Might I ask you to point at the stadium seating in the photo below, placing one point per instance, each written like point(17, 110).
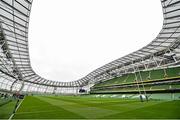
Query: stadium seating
point(153, 80)
point(145, 75)
point(136, 89)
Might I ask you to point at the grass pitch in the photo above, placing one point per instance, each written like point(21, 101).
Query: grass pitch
point(74, 107)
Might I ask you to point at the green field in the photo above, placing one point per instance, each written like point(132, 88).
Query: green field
point(80, 107)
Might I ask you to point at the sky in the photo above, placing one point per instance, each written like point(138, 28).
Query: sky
point(70, 38)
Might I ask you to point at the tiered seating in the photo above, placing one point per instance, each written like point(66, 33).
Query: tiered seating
point(7, 106)
point(147, 80)
point(172, 72)
point(4, 101)
point(136, 89)
point(123, 79)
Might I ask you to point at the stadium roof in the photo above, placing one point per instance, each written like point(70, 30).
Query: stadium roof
point(15, 63)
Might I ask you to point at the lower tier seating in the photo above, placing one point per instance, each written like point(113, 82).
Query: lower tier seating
point(137, 88)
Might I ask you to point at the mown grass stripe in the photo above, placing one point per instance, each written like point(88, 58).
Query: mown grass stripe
point(53, 112)
point(84, 110)
point(71, 107)
point(119, 107)
point(162, 110)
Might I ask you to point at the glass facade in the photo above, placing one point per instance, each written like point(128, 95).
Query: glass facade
point(16, 73)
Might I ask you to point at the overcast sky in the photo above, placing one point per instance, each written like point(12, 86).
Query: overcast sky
point(70, 38)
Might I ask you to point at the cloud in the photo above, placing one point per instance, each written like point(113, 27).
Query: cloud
point(70, 38)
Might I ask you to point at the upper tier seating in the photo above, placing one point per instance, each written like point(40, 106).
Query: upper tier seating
point(159, 74)
point(152, 80)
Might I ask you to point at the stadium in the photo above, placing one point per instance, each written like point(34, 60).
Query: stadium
point(144, 84)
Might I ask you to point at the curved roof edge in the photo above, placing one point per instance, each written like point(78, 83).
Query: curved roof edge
point(164, 50)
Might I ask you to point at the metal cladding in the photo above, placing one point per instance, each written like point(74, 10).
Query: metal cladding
point(16, 72)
